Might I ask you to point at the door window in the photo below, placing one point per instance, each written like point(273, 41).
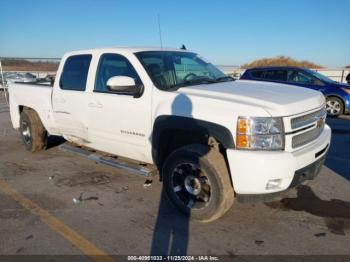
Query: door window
point(113, 65)
point(257, 74)
point(75, 72)
point(299, 77)
point(276, 75)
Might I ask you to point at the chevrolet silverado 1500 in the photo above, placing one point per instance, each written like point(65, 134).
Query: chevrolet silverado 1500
point(211, 138)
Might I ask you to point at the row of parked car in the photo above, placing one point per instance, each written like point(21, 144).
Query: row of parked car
point(337, 94)
point(14, 77)
point(19, 77)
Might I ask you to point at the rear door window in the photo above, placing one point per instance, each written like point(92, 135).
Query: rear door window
point(257, 74)
point(75, 72)
point(276, 75)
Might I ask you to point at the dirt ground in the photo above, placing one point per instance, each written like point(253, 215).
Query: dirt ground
point(118, 215)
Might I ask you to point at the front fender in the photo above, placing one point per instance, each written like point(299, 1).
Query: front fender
point(171, 122)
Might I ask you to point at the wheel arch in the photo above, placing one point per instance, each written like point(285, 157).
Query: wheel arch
point(22, 108)
point(171, 132)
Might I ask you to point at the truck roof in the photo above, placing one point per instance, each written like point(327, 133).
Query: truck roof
point(123, 49)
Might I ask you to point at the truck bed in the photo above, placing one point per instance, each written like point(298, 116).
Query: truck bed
point(42, 84)
point(32, 95)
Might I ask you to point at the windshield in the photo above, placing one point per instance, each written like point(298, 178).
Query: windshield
point(170, 70)
point(320, 76)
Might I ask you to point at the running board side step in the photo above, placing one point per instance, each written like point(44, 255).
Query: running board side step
point(110, 161)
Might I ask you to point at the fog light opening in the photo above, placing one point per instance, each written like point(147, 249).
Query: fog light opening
point(273, 184)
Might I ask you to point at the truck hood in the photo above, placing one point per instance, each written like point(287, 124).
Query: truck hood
point(276, 99)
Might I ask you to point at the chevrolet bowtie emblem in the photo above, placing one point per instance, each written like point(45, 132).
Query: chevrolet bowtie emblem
point(320, 123)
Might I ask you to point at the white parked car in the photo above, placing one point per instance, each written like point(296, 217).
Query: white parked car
point(20, 77)
point(212, 139)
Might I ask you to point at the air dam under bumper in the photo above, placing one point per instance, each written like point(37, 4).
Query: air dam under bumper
point(264, 172)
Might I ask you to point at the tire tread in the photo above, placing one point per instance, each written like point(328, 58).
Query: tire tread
point(38, 131)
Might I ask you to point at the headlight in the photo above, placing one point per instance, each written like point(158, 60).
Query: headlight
point(260, 133)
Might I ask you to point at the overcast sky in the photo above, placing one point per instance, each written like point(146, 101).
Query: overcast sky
point(225, 32)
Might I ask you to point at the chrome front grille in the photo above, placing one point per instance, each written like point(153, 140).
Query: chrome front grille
point(306, 137)
point(304, 128)
point(305, 120)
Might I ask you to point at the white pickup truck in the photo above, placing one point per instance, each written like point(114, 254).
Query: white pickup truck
point(211, 138)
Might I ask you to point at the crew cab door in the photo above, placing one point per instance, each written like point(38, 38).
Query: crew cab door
point(118, 123)
point(69, 99)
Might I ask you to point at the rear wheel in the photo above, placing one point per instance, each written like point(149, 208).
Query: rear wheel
point(32, 131)
point(197, 182)
point(334, 106)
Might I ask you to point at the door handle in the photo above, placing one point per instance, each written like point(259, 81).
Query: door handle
point(60, 100)
point(97, 105)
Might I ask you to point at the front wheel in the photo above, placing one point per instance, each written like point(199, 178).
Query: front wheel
point(197, 182)
point(334, 106)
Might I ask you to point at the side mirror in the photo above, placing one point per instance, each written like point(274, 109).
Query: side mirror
point(124, 85)
point(316, 82)
point(310, 81)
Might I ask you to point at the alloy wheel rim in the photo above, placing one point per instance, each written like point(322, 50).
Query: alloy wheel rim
point(333, 107)
point(26, 132)
point(191, 186)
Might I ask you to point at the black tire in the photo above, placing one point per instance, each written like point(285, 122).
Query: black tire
point(33, 133)
point(212, 175)
point(334, 106)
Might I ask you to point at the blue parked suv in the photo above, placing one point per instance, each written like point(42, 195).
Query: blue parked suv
point(337, 94)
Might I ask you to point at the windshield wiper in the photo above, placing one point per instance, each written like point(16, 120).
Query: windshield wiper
point(194, 81)
point(200, 80)
point(224, 78)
